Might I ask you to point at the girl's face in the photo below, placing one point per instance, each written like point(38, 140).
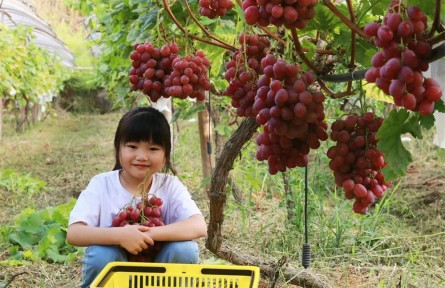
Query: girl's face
point(137, 157)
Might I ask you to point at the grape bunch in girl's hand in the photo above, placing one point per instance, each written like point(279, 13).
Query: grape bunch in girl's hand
point(147, 213)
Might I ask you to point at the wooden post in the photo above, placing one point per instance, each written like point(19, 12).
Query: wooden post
point(438, 74)
point(205, 130)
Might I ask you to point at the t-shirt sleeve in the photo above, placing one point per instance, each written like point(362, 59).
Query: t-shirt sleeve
point(87, 207)
point(181, 206)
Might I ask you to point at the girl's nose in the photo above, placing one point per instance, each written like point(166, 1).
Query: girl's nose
point(142, 155)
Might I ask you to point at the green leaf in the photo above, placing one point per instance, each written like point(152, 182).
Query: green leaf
point(29, 255)
point(54, 255)
point(439, 106)
point(397, 156)
point(149, 19)
point(14, 262)
point(24, 239)
point(31, 223)
point(223, 130)
point(324, 20)
point(427, 121)
point(372, 91)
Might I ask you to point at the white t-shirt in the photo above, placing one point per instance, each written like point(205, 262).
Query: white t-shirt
point(104, 196)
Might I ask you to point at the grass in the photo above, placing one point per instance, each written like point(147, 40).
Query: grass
point(399, 244)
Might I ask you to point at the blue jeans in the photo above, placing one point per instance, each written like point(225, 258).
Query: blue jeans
point(98, 256)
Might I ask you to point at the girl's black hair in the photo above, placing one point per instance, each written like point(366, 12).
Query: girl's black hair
point(143, 124)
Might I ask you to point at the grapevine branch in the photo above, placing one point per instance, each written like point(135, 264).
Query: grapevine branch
point(283, 42)
point(273, 35)
point(16, 274)
point(332, 93)
point(172, 16)
point(299, 277)
point(353, 45)
point(437, 39)
point(436, 21)
point(345, 20)
point(219, 180)
point(301, 52)
point(229, 47)
point(437, 53)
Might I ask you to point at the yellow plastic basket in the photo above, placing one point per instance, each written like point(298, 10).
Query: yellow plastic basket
point(162, 275)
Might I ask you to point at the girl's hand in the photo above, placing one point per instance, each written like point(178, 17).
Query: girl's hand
point(133, 239)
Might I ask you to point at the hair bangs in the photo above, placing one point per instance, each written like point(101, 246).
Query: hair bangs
point(143, 127)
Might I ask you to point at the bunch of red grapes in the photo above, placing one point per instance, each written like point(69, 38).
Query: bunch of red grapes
point(213, 8)
point(292, 115)
point(147, 213)
point(152, 68)
point(290, 13)
point(356, 161)
point(398, 66)
point(242, 72)
point(188, 77)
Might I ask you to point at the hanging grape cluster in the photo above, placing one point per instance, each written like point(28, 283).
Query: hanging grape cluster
point(290, 13)
point(213, 8)
point(398, 66)
point(242, 72)
point(291, 114)
point(147, 213)
point(356, 161)
point(161, 72)
point(188, 77)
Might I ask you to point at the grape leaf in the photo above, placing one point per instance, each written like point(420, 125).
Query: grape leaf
point(439, 106)
point(223, 130)
point(372, 91)
point(324, 20)
point(397, 156)
point(427, 121)
point(31, 223)
point(24, 239)
point(54, 255)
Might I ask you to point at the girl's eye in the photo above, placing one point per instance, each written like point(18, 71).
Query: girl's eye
point(131, 146)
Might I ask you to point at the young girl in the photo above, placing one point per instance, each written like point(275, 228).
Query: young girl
point(142, 143)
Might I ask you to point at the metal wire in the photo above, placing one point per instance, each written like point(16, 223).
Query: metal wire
point(306, 253)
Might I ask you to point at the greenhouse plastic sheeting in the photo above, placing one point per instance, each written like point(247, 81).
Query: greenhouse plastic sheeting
point(15, 12)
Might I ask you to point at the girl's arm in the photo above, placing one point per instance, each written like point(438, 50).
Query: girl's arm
point(191, 228)
point(130, 237)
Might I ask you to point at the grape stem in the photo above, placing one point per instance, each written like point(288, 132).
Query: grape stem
point(172, 16)
point(229, 47)
point(345, 20)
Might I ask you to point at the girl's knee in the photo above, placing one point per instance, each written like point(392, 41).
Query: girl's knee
point(104, 254)
point(96, 258)
point(179, 252)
